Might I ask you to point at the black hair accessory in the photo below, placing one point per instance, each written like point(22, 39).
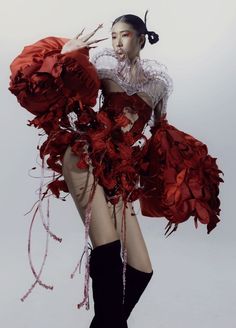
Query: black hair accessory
point(152, 36)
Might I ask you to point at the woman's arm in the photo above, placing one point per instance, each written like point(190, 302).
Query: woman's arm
point(55, 73)
point(158, 111)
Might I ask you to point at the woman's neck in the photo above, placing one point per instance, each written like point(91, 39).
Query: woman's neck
point(133, 60)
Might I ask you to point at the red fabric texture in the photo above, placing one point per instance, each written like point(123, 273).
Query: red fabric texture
point(117, 161)
point(182, 179)
point(50, 86)
point(44, 80)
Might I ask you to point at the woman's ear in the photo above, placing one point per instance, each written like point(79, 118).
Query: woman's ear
point(142, 40)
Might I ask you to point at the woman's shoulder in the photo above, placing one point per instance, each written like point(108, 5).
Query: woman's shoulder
point(153, 65)
point(157, 71)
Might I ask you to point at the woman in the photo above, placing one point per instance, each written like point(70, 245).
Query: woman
point(106, 159)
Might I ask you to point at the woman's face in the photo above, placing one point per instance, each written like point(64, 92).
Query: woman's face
point(125, 41)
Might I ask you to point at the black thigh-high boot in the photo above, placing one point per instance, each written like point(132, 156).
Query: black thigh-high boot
point(106, 269)
point(136, 283)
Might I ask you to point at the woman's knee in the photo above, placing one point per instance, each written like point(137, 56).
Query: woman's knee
point(137, 251)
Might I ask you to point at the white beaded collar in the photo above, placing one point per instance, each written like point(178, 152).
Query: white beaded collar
point(151, 76)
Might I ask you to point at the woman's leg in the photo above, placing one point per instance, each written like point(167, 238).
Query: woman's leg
point(137, 253)
point(79, 182)
point(105, 258)
point(138, 270)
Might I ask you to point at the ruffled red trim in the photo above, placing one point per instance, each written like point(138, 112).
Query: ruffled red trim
point(43, 79)
point(182, 179)
point(51, 85)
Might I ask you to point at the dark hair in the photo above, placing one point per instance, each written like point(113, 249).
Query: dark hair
point(139, 26)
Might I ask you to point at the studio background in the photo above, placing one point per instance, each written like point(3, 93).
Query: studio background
point(193, 283)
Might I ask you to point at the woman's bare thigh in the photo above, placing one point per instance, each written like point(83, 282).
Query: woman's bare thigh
point(79, 182)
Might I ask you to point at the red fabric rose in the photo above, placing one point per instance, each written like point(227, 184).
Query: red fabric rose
point(42, 77)
point(182, 179)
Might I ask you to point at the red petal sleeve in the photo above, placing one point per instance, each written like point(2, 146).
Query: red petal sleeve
point(42, 78)
point(182, 178)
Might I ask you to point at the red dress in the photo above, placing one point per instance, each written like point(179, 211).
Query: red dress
point(171, 173)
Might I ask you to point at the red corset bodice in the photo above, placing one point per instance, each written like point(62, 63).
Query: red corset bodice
point(116, 103)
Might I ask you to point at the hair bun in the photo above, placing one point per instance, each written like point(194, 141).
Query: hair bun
point(152, 37)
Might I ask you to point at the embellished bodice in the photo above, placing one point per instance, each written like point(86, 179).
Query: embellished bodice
point(133, 110)
point(149, 77)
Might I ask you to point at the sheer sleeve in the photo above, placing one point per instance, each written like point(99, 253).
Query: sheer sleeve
point(162, 90)
point(43, 79)
point(158, 111)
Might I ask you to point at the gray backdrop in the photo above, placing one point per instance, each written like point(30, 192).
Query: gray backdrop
point(193, 285)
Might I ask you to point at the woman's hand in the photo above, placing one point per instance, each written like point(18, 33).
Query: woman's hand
point(78, 43)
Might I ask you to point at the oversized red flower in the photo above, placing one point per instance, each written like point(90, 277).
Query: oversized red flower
point(181, 180)
point(42, 77)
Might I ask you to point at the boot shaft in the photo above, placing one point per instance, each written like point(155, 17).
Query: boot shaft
point(107, 284)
